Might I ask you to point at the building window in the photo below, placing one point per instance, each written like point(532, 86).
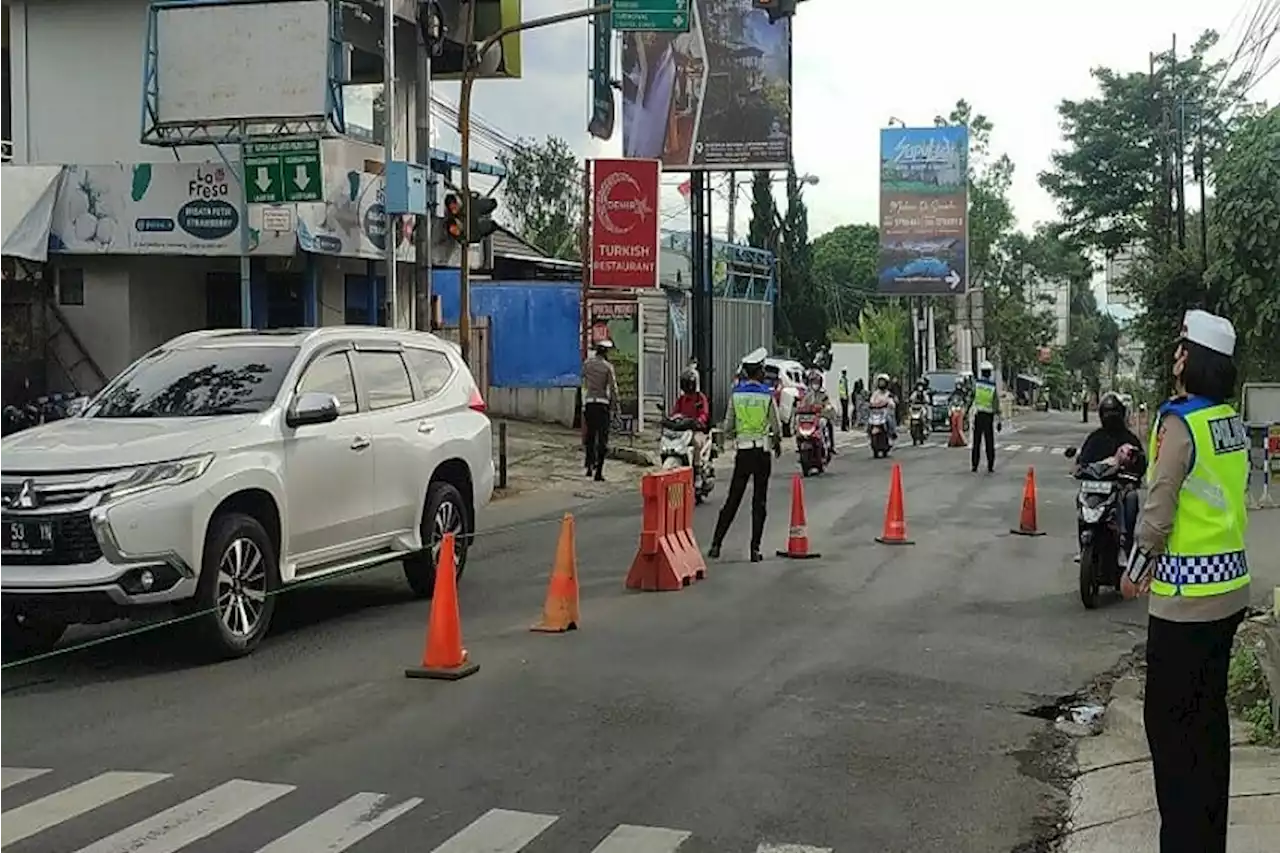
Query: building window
point(71, 286)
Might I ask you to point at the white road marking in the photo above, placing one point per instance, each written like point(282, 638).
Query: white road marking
point(1011, 447)
point(1035, 449)
point(642, 839)
point(200, 816)
point(10, 776)
point(497, 831)
point(26, 821)
point(791, 848)
point(342, 826)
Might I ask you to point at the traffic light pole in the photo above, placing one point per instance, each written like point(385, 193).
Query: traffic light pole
point(464, 131)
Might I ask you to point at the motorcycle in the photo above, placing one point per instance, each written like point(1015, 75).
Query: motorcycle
point(878, 430)
point(1102, 549)
point(811, 443)
point(919, 423)
point(676, 450)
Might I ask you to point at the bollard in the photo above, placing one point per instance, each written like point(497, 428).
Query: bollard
point(502, 454)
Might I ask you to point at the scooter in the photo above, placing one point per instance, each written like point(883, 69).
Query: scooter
point(919, 424)
point(1102, 550)
point(676, 449)
point(878, 431)
point(811, 443)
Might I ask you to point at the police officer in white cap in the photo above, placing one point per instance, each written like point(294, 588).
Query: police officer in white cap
point(753, 423)
point(1190, 556)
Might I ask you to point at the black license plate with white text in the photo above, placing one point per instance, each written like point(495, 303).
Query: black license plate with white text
point(28, 536)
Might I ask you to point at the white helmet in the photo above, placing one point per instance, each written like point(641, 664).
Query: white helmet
point(986, 367)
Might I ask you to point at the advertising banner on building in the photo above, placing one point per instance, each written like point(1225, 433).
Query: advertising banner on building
point(624, 223)
point(350, 222)
point(157, 209)
point(924, 206)
point(618, 320)
point(716, 97)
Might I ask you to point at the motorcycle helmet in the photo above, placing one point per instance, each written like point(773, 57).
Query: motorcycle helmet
point(882, 381)
point(986, 369)
point(814, 379)
point(688, 382)
point(1111, 411)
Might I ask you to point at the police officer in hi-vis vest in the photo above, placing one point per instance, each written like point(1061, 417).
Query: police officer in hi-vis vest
point(986, 415)
point(753, 422)
point(1190, 557)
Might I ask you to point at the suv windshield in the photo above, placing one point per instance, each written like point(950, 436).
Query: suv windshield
point(942, 383)
point(197, 382)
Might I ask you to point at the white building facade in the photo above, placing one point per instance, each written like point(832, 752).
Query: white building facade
point(144, 242)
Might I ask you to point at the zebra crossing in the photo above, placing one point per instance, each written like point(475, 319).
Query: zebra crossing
point(936, 442)
point(334, 830)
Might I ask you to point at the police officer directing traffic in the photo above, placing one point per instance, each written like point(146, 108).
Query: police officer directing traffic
point(986, 414)
point(1190, 556)
point(753, 422)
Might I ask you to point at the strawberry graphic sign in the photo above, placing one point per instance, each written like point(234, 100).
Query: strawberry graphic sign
point(624, 223)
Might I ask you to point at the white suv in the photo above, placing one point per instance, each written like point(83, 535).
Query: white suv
point(225, 466)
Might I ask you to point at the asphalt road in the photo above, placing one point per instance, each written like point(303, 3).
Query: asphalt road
point(872, 700)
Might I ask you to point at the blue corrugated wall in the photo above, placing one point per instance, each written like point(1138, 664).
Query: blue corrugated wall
point(535, 328)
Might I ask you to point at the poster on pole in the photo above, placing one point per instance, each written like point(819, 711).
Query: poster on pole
point(618, 320)
point(624, 223)
point(717, 97)
point(924, 211)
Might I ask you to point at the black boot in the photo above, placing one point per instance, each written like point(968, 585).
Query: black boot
point(714, 552)
point(756, 556)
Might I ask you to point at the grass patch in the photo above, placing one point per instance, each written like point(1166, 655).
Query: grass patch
point(1248, 696)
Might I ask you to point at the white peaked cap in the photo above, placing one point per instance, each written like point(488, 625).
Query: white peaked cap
point(1209, 330)
point(756, 356)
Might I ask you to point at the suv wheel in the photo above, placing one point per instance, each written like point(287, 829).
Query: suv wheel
point(26, 635)
point(444, 512)
point(238, 581)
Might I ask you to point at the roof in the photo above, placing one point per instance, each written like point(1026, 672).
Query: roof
point(509, 246)
point(299, 336)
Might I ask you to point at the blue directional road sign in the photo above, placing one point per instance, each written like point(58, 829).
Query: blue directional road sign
point(665, 16)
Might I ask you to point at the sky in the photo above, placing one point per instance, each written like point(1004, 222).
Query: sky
point(856, 64)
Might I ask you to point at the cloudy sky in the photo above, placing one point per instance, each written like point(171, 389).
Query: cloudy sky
point(856, 64)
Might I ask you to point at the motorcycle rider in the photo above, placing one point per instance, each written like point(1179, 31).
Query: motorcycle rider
point(1114, 440)
point(920, 397)
point(986, 414)
point(882, 398)
point(816, 400)
point(692, 404)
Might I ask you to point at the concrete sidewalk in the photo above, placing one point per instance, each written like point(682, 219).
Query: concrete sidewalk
point(549, 458)
point(1113, 807)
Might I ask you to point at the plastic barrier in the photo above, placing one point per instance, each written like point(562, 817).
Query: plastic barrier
point(668, 557)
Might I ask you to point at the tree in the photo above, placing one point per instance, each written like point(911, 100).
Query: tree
point(886, 330)
point(763, 231)
point(800, 310)
point(543, 196)
point(844, 270)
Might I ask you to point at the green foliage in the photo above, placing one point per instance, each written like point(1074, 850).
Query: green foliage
point(844, 269)
point(1248, 695)
point(886, 330)
point(763, 231)
point(543, 196)
point(804, 326)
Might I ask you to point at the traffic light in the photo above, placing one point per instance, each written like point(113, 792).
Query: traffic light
point(481, 214)
point(777, 9)
point(453, 224)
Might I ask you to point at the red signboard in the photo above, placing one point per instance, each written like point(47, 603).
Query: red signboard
point(624, 223)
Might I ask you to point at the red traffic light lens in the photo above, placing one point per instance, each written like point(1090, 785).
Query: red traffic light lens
point(453, 204)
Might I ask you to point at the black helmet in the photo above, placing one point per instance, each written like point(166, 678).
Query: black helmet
point(1111, 411)
point(688, 382)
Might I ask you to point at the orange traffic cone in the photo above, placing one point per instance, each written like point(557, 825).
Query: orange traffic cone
point(444, 656)
point(895, 520)
point(1027, 519)
point(798, 540)
point(560, 613)
point(956, 439)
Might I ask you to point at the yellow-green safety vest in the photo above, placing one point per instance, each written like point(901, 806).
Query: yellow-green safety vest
point(842, 387)
point(750, 403)
point(1205, 553)
point(984, 396)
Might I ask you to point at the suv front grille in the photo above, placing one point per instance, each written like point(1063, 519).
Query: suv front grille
point(73, 542)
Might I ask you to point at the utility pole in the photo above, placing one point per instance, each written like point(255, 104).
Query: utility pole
point(428, 38)
point(470, 60)
point(1166, 172)
point(1201, 178)
point(389, 154)
point(1180, 150)
point(731, 228)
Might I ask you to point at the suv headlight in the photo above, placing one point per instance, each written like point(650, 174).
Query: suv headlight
point(160, 474)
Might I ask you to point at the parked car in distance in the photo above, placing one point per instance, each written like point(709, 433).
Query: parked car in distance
point(942, 384)
point(226, 466)
point(790, 388)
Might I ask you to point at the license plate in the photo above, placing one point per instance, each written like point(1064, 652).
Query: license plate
point(28, 537)
point(1096, 487)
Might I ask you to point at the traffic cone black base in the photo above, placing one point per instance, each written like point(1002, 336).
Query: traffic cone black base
point(884, 541)
point(451, 674)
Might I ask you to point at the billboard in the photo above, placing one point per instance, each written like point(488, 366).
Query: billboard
point(716, 97)
point(624, 223)
point(924, 211)
point(618, 320)
point(503, 60)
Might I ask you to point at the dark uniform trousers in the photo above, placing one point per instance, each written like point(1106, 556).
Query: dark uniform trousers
point(754, 464)
point(597, 416)
point(984, 429)
point(844, 414)
point(1188, 730)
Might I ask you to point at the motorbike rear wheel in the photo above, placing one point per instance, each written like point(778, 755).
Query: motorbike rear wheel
point(1089, 577)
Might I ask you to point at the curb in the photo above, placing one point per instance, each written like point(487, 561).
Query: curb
point(633, 456)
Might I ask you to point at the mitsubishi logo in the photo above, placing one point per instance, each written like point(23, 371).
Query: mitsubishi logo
point(27, 497)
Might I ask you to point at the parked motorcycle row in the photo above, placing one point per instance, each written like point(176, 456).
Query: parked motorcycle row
point(41, 410)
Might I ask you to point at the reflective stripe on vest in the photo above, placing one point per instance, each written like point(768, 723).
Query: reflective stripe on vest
point(984, 396)
point(1205, 553)
point(751, 412)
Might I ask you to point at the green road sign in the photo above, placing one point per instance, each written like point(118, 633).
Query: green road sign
point(277, 172)
point(666, 16)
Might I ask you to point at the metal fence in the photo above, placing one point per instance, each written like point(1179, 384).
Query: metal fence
point(481, 354)
point(738, 327)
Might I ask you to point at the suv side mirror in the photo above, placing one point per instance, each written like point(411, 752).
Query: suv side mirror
point(312, 407)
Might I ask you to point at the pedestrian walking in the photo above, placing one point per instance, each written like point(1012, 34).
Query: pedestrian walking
point(842, 391)
point(986, 416)
point(1190, 557)
point(753, 423)
point(599, 398)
